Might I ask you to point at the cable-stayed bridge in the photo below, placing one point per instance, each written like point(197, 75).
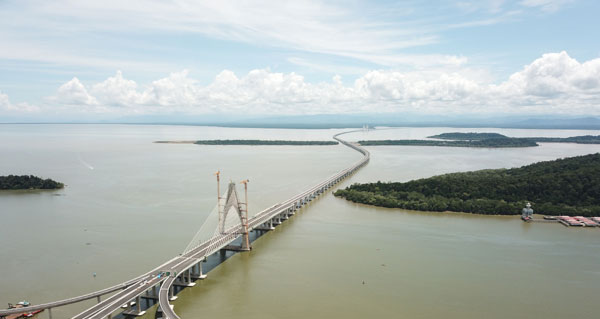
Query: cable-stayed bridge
point(182, 270)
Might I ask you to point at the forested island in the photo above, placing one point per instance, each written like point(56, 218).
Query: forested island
point(467, 136)
point(263, 142)
point(14, 182)
point(569, 186)
point(250, 142)
point(492, 140)
point(585, 139)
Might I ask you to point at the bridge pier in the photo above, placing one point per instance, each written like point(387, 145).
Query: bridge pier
point(172, 296)
point(198, 274)
point(275, 221)
point(267, 226)
point(138, 308)
point(189, 278)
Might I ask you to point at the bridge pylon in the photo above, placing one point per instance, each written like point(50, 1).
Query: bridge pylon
point(232, 201)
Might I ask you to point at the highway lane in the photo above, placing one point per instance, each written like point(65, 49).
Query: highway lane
point(115, 301)
point(125, 297)
point(163, 299)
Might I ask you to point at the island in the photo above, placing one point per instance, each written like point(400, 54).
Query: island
point(569, 186)
point(14, 182)
point(471, 136)
point(251, 142)
point(489, 140)
point(585, 139)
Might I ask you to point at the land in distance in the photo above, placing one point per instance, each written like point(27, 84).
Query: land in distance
point(490, 140)
point(250, 142)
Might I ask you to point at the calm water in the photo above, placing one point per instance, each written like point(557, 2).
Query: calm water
point(130, 204)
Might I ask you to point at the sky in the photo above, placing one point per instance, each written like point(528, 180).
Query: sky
point(65, 60)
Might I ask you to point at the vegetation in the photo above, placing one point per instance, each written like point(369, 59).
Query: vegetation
point(467, 136)
point(263, 142)
point(489, 142)
point(568, 186)
point(27, 182)
point(586, 139)
point(495, 140)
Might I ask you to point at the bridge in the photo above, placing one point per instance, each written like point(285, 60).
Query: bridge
point(182, 270)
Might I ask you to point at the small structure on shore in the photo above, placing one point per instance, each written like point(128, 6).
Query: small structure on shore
point(527, 212)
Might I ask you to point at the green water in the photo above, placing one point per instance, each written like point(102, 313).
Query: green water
point(130, 204)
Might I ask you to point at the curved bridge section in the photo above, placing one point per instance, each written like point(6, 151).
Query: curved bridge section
point(184, 268)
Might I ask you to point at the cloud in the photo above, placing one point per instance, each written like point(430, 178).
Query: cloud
point(555, 74)
point(555, 82)
point(367, 31)
point(115, 91)
point(328, 68)
point(74, 93)
point(7, 106)
point(176, 89)
point(545, 5)
point(5, 102)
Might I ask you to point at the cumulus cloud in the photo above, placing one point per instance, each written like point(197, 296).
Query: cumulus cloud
point(7, 106)
point(74, 93)
point(553, 83)
point(555, 75)
point(176, 89)
point(113, 91)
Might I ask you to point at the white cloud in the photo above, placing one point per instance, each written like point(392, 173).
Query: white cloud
point(328, 68)
point(553, 83)
point(115, 91)
point(74, 93)
point(545, 5)
point(6, 105)
point(4, 102)
point(355, 30)
point(555, 74)
point(176, 89)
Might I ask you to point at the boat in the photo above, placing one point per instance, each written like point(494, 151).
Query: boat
point(26, 314)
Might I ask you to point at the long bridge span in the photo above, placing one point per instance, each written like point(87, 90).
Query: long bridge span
point(182, 270)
